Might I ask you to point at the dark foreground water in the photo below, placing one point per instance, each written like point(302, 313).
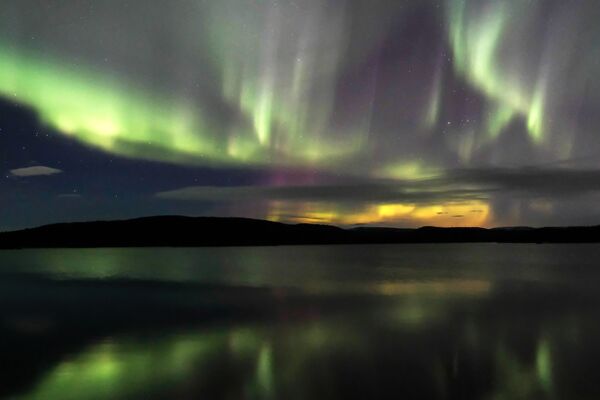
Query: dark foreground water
point(459, 321)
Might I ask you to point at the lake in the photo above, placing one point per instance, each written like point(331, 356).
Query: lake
point(428, 321)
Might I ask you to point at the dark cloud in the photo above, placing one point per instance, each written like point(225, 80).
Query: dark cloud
point(455, 186)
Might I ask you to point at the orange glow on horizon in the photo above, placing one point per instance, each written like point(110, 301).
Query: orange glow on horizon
point(464, 214)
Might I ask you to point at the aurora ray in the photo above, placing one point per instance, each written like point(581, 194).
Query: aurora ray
point(352, 90)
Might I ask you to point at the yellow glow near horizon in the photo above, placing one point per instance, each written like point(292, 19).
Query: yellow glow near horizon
point(464, 214)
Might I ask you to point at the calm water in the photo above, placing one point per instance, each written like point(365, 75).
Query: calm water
point(457, 321)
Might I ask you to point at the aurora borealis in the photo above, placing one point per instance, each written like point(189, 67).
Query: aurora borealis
point(404, 113)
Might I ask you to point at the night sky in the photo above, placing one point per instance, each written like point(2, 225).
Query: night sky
point(399, 113)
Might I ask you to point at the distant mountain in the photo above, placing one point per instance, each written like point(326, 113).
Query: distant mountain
point(178, 231)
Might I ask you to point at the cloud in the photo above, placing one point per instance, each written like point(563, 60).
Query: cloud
point(38, 170)
point(357, 192)
point(551, 182)
point(455, 186)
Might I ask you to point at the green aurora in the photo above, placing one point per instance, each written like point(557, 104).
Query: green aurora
point(355, 90)
point(279, 69)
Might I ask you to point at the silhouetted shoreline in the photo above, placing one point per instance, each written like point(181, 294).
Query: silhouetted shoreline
point(179, 231)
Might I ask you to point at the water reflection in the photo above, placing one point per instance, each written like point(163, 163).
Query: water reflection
point(124, 367)
point(321, 358)
point(447, 338)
